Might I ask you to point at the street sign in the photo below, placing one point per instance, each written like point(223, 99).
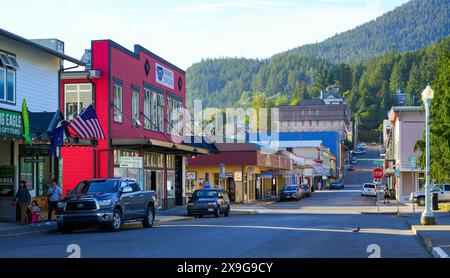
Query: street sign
point(412, 162)
point(377, 173)
point(378, 162)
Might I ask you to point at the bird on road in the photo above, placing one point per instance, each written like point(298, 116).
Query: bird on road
point(357, 230)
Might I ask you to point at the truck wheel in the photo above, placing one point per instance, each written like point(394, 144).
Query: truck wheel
point(65, 229)
point(217, 212)
point(149, 217)
point(421, 201)
point(117, 222)
point(227, 212)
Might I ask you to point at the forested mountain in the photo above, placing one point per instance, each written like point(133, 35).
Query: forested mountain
point(220, 82)
point(411, 26)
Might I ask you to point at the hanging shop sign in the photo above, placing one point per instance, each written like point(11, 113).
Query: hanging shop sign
point(34, 150)
point(11, 124)
point(192, 176)
point(237, 176)
point(131, 162)
point(164, 76)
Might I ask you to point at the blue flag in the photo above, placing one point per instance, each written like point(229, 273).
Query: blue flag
point(56, 136)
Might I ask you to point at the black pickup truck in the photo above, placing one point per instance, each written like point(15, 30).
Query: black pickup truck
point(106, 203)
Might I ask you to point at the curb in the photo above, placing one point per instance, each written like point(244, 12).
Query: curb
point(243, 212)
point(436, 252)
point(370, 212)
point(27, 233)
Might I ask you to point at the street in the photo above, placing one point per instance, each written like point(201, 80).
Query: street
point(318, 227)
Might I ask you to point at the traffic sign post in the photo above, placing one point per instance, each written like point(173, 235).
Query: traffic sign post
point(377, 173)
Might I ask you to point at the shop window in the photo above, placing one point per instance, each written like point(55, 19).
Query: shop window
point(170, 161)
point(2, 84)
point(77, 97)
point(135, 108)
point(170, 184)
point(118, 108)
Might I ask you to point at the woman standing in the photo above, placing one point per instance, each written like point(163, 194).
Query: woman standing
point(23, 199)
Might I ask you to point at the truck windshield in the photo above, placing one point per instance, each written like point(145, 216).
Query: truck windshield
point(97, 186)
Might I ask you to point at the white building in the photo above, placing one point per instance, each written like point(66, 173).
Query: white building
point(28, 71)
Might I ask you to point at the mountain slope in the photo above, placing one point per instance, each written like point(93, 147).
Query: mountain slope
point(411, 26)
point(414, 25)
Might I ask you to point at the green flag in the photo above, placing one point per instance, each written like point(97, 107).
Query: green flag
point(26, 122)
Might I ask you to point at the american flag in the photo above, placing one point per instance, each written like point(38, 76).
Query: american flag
point(86, 125)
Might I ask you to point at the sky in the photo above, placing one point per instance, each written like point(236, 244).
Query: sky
point(185, 31)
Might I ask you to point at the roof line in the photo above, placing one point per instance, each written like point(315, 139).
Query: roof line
point(30, 43)
point(136, 54)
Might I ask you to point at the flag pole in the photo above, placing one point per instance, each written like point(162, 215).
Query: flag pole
point(94, 144)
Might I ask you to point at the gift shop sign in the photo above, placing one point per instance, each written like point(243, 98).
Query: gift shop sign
point(11, 124)
point(164, 76)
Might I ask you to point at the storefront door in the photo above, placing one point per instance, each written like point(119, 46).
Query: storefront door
point(258, 191)
point(154, 180)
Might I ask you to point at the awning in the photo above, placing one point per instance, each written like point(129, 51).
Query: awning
point(170, 147)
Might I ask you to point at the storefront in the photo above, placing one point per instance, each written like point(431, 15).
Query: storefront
point(11, 131)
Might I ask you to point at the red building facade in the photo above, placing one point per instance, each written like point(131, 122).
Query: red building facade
point(135, 95)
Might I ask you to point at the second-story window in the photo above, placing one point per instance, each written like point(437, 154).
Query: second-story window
point(174, 116)
point(118, 108)
point(77, 96)
point(8, 66)
point(147, 108)
point(135, 107)
point(160, 116)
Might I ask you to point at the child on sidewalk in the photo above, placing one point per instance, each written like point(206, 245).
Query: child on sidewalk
point(35, 213)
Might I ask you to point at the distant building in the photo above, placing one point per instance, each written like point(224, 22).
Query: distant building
point(314, 116)
point(331, 97)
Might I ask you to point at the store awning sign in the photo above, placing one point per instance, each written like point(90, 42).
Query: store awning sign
point(11, 124)
point(131, 162)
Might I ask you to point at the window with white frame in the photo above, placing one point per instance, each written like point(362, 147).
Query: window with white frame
point(160, 115)
point(147, 108)
point(135, 106)
point(8, 67)
point(174, 116)
point(76, 97)
point(118, 107)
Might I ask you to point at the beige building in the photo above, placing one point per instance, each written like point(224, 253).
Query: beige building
point(405, 127)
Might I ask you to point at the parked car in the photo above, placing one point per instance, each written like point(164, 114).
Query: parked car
point(106, 203)
point(359, 151)
point(443, 191)
point(368, 189)
point(351, 168)
point(306, 189)
point(209, 202)
point(354, 160)
point(292, 192)
point(338, 184)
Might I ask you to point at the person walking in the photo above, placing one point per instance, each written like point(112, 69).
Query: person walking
point(54, 194)
point(23, 199)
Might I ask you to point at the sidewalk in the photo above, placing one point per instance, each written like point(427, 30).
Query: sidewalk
point(435, 238)
point(10, 229)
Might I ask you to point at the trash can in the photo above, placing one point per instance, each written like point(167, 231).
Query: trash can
point(435, 201)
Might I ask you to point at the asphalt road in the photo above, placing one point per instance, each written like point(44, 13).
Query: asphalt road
point(281, 232)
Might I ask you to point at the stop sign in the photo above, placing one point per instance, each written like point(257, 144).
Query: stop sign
point(377, 173)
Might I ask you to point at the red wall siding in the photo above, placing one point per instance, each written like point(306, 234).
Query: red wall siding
point(77, 166)
point(132, 72)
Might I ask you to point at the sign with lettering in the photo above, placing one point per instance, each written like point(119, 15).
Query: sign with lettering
point(237, 176)
point(412, 162)
point(7, 176)
point(164, 76)
point(191, 176)
point(34, 150)
point(11, 124)
point(131, 162)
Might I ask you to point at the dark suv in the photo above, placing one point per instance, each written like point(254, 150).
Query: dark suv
point(209, 201)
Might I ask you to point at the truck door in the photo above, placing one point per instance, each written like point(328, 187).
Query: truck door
point(126, 199)
point(446, 196)
point(137, 203)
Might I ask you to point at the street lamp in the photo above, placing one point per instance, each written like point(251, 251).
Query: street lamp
point(427, 216)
